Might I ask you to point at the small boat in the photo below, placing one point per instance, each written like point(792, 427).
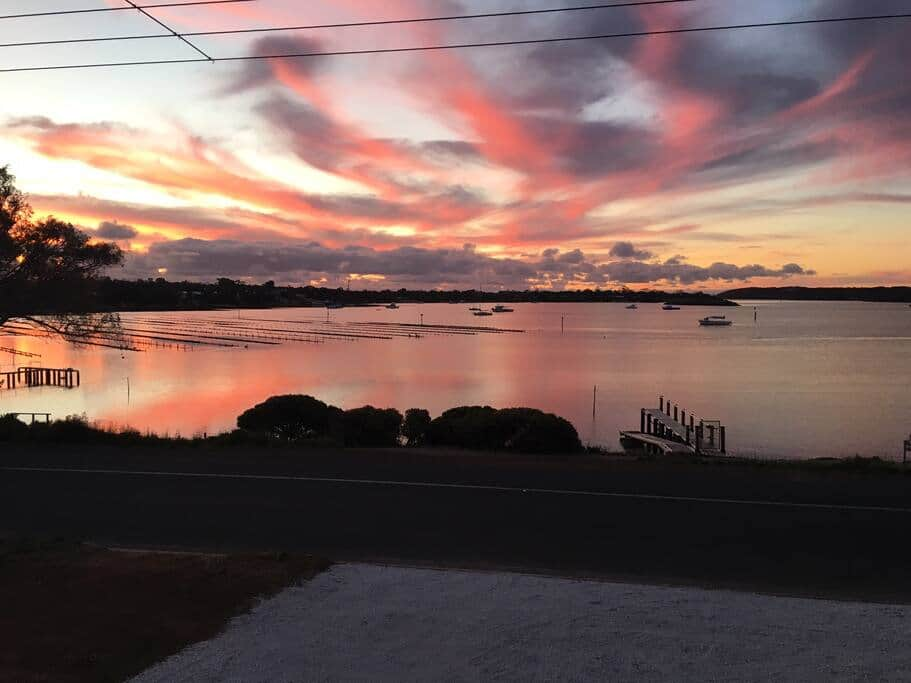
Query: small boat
point(499, 308)
point(474, 308)
point(670, 307)
point(392, 306)
point(479, 312)
point(632, 307)
point(715, 321)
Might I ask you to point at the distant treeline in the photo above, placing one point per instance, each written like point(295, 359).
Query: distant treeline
point(161, 294)
point(877, 294)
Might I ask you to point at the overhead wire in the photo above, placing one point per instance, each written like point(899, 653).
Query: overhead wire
point(145, 13)
point(356, 24)
point(462, 46)
point(94, 10)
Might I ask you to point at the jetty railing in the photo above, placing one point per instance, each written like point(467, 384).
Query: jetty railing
point(66, 378)
point(672, 423)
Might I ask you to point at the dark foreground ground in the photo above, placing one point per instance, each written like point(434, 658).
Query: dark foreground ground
point(78, 613)
point(827, 532)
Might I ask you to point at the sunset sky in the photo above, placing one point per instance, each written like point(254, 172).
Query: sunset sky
point(702, 161)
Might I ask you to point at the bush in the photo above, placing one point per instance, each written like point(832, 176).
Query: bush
point(472, 427)
point(72, 429)
point(12, 428)
point(415, 426)
point(370, 427)
point(289, 418)
point(518, 429)
point(533, 431)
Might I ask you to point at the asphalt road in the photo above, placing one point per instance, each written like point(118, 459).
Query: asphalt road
point(834, 536)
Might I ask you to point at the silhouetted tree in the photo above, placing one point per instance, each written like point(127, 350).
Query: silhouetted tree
point(471, 427)
point(525, 430)
point(370, 427)
point(415, 426)
point(290, 418)
point(534, 431)
point(47, 268)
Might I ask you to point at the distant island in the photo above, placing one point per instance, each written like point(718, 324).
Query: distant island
point(873, 294)
point(160, 294)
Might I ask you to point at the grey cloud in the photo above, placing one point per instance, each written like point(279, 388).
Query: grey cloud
point(762, 158)
point(458, 149)
point(112, 230)
point(626, 250)
point(637, 272)
point(258, 72)
point(303, 261)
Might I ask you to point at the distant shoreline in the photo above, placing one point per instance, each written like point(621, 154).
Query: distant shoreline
point(861, 294)
point(163, 295)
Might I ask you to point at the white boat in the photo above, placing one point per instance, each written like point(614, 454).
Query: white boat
point(670, 307)
point(715, 321)
point(632, 307)
point(499, 308)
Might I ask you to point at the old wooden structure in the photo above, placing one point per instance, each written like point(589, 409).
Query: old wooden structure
point(669, 429)
point(23, 378)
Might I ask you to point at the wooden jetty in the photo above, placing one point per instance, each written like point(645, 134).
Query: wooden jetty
point(65, 378)
point(669, 430)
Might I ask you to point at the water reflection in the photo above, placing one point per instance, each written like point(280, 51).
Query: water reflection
point(804, 380)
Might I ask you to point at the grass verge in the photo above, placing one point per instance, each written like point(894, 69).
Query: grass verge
point(73, 612)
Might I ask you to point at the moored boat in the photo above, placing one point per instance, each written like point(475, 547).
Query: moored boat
point(632, 307)
point(499, 308)
point(670, 307)
point(715, 321)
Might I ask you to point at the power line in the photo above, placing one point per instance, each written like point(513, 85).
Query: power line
point(145, 13)
point(382, 22)
point(463, 46)
point(56, 13)
point(456, 17)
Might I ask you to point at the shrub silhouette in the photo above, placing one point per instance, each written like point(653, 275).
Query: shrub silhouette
point(71, 429)
point(472, 427)
point(371, 427)
point(290, 418)
point(533, 431)
point(12, 428)
point(519, 429)
point(415, 427)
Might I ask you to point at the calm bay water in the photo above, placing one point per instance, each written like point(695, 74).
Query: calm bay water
point(806, 380)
